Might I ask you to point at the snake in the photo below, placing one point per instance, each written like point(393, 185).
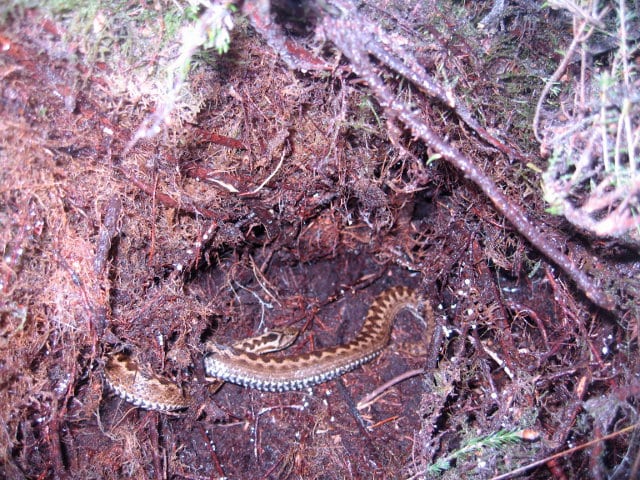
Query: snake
point(245, 363)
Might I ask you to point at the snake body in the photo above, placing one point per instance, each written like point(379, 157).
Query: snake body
point(306, 369)
point(244, 364)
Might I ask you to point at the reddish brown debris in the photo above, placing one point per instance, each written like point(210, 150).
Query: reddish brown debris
point(297, 194)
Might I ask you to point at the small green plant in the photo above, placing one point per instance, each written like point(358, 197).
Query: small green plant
point(218, 35)
point(475, 446)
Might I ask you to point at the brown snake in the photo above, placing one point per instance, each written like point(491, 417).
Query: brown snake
point(244, 365)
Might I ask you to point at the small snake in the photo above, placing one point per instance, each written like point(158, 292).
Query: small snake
point(244, 364)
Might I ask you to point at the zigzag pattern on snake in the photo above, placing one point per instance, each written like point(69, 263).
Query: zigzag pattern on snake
point(245, 364)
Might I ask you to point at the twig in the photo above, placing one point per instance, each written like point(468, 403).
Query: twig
point(341, 30)
point(577, 39)
point(370, 397)
point(271, 175)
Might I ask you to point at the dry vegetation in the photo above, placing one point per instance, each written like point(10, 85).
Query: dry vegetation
point(157, 192)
